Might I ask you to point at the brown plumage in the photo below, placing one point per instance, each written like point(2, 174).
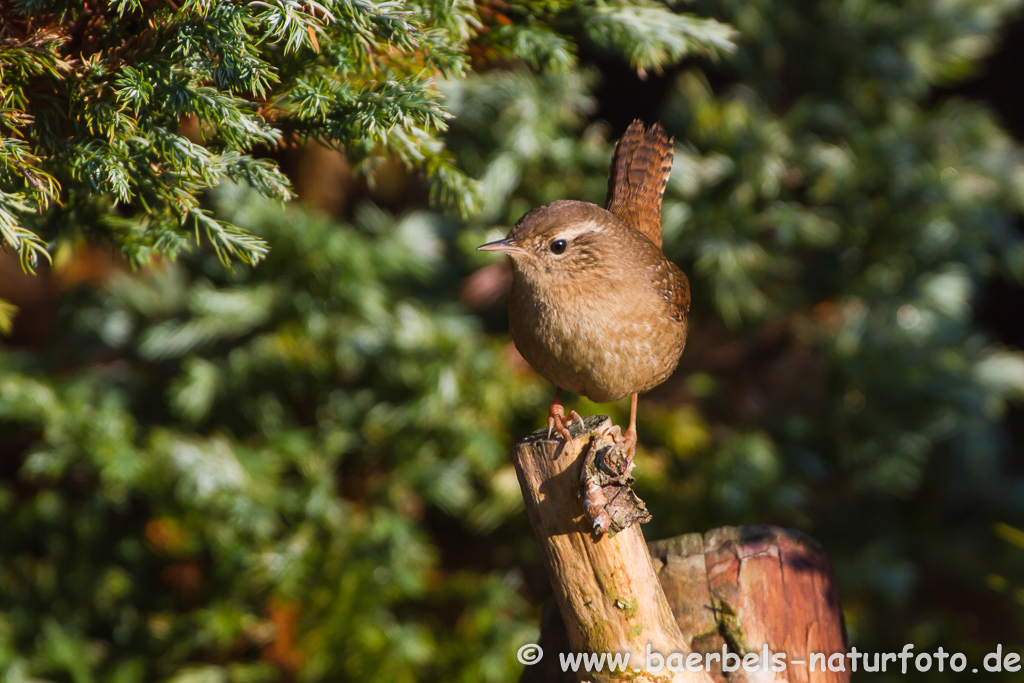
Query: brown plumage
point(595, 306)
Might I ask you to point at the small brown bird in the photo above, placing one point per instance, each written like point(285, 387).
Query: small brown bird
point(595, 306)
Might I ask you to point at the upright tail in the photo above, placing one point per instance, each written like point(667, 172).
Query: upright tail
point(639, 174)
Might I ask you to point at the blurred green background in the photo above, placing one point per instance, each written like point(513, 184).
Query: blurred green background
point(298, 470)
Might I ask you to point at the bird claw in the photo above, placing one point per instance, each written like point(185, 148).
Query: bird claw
point(606, 481)
point(622, 442)
point(556, 421)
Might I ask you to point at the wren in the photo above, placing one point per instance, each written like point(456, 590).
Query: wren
point(596, 307)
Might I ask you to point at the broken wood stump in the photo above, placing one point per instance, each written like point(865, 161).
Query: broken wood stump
point(750, 590)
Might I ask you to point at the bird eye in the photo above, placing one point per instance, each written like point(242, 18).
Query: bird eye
point(558, 246)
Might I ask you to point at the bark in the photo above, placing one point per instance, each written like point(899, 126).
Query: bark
point(748, 590)
point(605, 585)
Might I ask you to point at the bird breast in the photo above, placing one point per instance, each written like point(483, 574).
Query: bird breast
point(604, 335)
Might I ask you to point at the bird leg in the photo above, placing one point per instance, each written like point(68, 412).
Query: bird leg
point(556, 419)
point(606, 479)
point(629, 438)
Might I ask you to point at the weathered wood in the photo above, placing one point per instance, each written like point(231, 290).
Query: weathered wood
point(773, 587)
point(606, 587)
point(739, 588)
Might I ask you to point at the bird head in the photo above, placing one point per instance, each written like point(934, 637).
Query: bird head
point(564, 237)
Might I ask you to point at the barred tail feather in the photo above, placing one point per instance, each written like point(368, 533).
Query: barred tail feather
point(640, 169)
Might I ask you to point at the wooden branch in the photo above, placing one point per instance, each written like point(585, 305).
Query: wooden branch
point(743, 590)
point(605, 586)
point(739, 588)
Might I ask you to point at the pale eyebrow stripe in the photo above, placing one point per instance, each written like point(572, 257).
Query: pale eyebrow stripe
point(577, 230)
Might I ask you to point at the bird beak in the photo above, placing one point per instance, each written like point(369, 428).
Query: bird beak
point(507, 245)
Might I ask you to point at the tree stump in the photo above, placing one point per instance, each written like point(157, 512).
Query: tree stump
point(750, 587)
point(747, 589)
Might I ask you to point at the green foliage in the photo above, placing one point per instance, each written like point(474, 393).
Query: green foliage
point(838, 222)
point(299, 471)
point(117, 116)
point(642, 31)
point(269, 437)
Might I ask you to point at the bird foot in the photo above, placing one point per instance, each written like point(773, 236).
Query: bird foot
point(624, 443)
point(556, 421)
point(606, 482)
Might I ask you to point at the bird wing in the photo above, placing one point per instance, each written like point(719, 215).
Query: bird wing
point(674, 286)
point(640, 168)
